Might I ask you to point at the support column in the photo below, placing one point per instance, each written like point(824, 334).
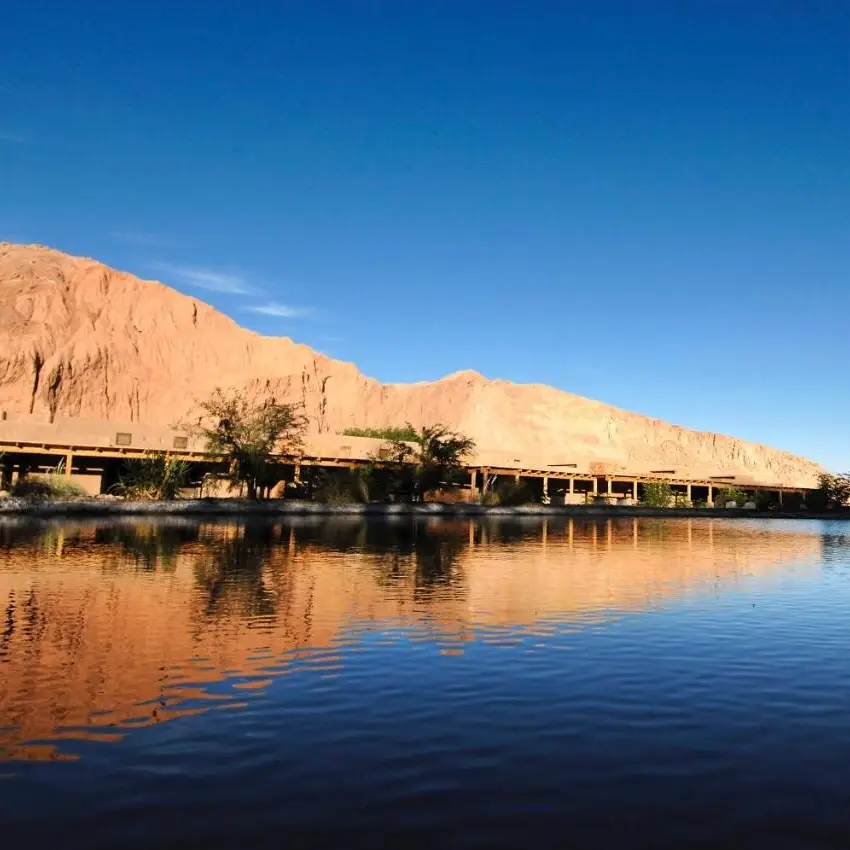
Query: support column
point(516, 479)
point(298, 472)
point(689, 493)
point(572, 486)
point(780, 498)
point(473, 481)
point(545, 489)
point(595, 486)
point(69, 462)
point(634, 490)
point(610, 487)
point(710, 502)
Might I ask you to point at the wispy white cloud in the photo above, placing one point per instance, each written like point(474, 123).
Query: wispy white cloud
point(147, 240)
point(215, 280)
point(281, 311)
point(12, 138)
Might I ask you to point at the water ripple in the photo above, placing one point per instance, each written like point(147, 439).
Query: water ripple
point(637, 682)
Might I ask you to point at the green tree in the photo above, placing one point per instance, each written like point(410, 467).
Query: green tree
point(657, 495)
point(834, 490)
point(252, 434)
point(340, 486)
point(435, 458)
point(732, 494)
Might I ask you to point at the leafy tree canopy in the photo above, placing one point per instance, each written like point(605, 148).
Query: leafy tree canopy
point(251, 432)
point(436, 459)
point(835, 489)
point(657, 494)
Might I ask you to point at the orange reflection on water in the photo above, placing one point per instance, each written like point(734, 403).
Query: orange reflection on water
point(107, 628)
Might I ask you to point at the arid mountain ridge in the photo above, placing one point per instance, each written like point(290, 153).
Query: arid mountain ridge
point(79, 339)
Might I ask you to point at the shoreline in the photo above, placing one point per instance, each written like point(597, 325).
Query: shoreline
point(96, 508)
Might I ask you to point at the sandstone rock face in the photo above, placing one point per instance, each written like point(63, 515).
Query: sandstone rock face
point(78, 339)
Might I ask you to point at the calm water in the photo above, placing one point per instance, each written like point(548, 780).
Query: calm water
point(633, 683)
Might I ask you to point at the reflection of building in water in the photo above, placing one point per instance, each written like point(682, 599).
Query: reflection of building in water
point(584, 568)
point(121, 624)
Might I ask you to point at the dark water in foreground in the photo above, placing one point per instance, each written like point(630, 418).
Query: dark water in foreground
point(635, 683)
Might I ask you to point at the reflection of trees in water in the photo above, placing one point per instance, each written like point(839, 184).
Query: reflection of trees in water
point(230, 572)
point(508, 530)
point(400, 548)
point(20, 534)
point(153, 546)
point(835, 546)
point(9, 624)
point(430, 549)
point(338, 535)
point(22, 613)
point(150, 545)
point(436, 559)
point(46, 537)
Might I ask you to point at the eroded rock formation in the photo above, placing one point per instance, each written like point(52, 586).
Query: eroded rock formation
point(80, 339)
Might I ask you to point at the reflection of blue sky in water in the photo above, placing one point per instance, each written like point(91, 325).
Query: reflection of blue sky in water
point(120, 626)
point(342, 677)
point(212, 613)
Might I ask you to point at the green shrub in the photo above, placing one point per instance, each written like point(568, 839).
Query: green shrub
point(406, 433)
point(730, 494)
point(156, 477)
point(834, 490)
point(511, 494)
point(658, 494)
point(53, 486)
point(342, 488)
point(765, 500)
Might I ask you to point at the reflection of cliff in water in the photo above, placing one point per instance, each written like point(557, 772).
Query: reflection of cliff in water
point(127, 623)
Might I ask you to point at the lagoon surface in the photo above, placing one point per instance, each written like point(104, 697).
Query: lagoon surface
point(339, 683)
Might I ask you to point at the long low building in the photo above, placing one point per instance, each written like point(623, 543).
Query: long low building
point(90, 453)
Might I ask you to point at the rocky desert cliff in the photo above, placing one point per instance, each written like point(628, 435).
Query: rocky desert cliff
point(79, 339)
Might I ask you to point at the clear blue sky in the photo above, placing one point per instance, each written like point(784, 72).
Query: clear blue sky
point(647, 202)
